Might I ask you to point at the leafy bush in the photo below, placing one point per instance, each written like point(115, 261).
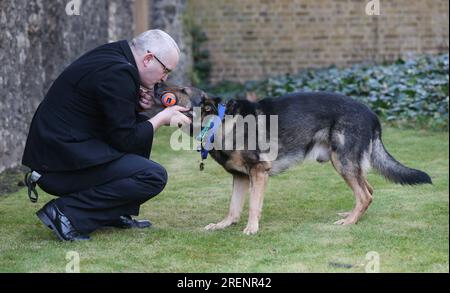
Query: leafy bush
point(202, 64)
point(406, 92)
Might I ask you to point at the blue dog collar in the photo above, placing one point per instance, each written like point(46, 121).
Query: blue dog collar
point(209, 132)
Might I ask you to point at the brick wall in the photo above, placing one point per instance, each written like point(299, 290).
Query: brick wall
point(251, 39)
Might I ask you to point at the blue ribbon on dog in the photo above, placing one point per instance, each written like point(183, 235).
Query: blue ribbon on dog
point(211, 130)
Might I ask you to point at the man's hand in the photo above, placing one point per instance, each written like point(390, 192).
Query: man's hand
point(146, 101)
point(170, 115)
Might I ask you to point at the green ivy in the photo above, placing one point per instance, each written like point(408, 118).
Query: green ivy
point(202, 65)
point(412, 92)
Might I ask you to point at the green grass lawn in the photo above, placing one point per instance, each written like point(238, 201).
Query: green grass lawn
point(407, 226)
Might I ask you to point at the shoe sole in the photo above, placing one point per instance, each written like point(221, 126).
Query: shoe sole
point(143, 226)
point(46, 220)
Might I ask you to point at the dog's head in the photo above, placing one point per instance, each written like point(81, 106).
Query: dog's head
point(188, 97)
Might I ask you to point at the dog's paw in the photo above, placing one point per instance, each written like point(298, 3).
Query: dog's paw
point(339, 222)
point(251, 229)
point(218, 226)
point(344, 214)
point(345, 221)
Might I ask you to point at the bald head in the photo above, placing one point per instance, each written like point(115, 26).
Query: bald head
point(156, 41)
point(155, 52)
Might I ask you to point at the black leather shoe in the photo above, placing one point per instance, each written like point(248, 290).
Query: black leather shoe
point(126, 222)
point(53, 218)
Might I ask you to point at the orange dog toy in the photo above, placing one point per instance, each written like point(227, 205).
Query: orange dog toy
point(168, 99)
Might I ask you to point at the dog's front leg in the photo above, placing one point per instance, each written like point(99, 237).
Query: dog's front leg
point(258, 180)
point(240, 188)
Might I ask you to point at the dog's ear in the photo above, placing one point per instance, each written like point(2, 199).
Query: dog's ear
point(232, 107)
point(187, 91)
point(198, 98)
point(217, 100)
point(205, 96)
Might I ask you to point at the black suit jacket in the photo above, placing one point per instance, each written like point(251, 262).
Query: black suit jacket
point(89, 115)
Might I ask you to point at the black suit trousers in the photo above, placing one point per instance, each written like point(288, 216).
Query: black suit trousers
point(96, 196)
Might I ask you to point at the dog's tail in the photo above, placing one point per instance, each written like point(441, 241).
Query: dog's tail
point(393, 170)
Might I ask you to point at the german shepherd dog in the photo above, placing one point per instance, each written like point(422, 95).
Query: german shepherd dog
point(320, 126)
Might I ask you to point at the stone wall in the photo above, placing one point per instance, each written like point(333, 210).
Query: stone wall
point(168, 15)
point(38, 39)
point(252, 39)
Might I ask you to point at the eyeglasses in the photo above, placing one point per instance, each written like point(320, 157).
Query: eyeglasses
point(166, 70)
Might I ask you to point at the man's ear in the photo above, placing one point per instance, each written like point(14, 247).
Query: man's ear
point(148, 57)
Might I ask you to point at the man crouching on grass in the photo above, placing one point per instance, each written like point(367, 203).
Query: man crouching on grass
point(89, 145)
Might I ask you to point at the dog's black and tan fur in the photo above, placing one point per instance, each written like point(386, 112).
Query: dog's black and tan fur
point(321, 126)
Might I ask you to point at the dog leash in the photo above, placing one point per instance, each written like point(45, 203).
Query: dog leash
point(209, 132)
